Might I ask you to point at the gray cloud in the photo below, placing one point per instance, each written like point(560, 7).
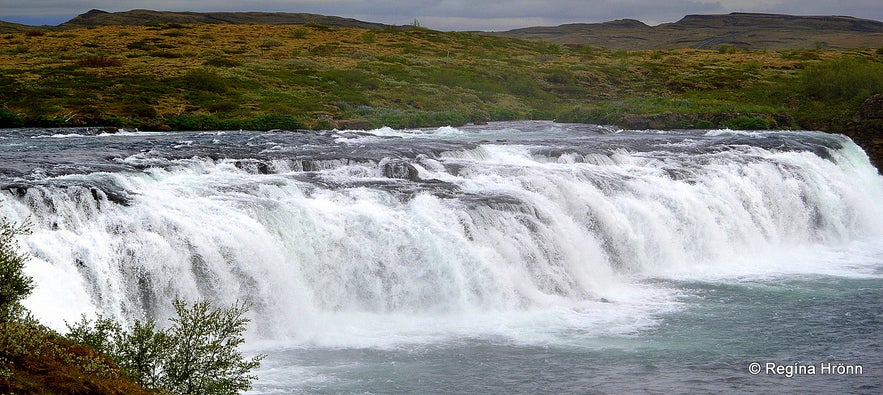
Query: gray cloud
point(457, 14)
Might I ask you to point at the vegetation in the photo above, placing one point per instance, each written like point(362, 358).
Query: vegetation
point(197, 354)
point(315, 76)
point(14, 284)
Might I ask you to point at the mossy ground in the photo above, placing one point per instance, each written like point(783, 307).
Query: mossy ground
point(312, 76)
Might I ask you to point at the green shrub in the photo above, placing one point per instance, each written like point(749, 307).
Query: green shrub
point(200, 122)
point(273, 121)
point(15, 286)
point(747, 122)
point(9, 119)
point(299, 32)
point(843, 79)
point(270, 43)
point(173, 33)
point(197, 354)
point(204, 80)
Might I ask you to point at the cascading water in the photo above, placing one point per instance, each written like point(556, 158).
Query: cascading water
point(394, 237)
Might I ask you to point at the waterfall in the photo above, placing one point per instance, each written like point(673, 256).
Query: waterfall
point(485, 229)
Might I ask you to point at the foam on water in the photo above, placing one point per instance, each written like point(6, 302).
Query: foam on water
point(532, 239)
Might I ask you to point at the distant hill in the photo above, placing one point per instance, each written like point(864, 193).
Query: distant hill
point(747, 30)
point(148, 17)
point(9, 27)
point(744, 30)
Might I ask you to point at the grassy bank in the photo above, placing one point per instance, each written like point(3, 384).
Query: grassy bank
point(312, 76)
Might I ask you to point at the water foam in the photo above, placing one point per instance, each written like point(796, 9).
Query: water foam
point(521, 245)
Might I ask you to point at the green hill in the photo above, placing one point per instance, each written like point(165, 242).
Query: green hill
point(148, 17)
point(744, 30)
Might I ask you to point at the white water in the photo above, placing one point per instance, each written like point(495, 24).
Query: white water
point(531, 247)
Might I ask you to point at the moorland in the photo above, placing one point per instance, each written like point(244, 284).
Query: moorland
point(166, 75)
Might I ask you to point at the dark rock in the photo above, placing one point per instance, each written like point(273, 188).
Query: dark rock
point(156, 126)
point(872, 108)
point(398, 168)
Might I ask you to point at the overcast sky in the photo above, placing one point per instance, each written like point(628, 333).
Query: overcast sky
point(454, 14)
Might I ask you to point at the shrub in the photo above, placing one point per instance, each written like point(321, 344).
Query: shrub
point(747, 122)
point(843, 79)
point(273, 121)
point(369, 37)
point(199, 122)
point(9, 119)
point(203, 357)
point(14, 284)
point(197, 354)
point(35, 33)
point(140, 44)
point(95, 61)
point(204, 80)
point(269, 43)
point(299, 32)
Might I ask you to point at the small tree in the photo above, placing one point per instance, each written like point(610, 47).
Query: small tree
point(197, 354)
point(141, 351)
point(14, 284)
point(204, 356)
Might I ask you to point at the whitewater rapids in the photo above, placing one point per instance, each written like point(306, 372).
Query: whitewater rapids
point(384, 237)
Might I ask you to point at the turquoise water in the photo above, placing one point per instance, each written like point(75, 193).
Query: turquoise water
point(706, 347)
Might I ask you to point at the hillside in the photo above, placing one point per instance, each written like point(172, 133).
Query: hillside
point(148, 17)
point(743, 30)
point(9, 27)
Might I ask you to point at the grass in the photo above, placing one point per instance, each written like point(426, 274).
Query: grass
point(220, 76)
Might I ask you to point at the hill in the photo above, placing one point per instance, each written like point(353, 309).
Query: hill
point(743, 30)
point(148, 17)
point(9, 27)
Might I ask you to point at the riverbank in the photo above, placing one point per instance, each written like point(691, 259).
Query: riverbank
point(192, 77)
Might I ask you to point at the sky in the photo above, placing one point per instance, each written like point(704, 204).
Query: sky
point(487, 15)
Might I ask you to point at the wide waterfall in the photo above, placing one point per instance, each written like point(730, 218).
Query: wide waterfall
point(527, 232)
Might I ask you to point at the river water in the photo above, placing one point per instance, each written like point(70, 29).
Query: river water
point(518, 257)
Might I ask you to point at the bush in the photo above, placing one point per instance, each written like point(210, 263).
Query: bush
point(200, 122)
point(299, 33)
point(15, 286)
point(9, 119)
point(204, 80)
point(843, 79)
point(96, 61)
point(197, 354)
point(203, 357)
point(273, 121)
point(747, 122)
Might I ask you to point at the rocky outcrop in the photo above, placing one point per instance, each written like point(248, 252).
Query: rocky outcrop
point(867, 129)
